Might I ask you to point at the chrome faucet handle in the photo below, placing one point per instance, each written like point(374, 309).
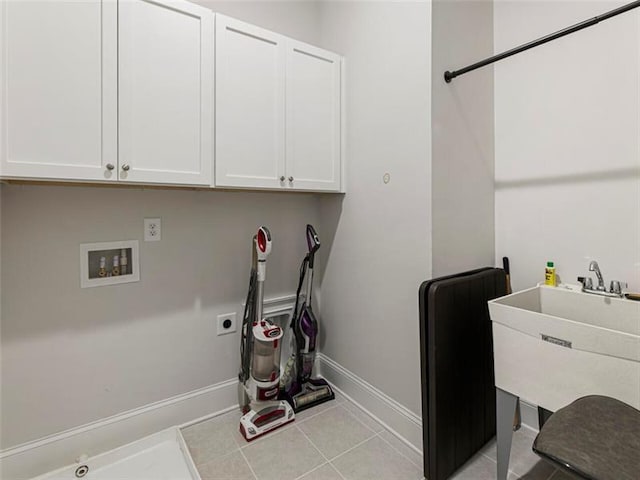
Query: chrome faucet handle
point(586, 282)
point(616, 287)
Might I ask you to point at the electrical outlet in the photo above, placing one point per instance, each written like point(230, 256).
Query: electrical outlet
point(226, 323)
point(152, 230)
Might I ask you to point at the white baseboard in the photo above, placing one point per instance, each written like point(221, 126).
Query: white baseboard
point(396, 418)
point(529, 415)
point(54, 451)
point(405, 424)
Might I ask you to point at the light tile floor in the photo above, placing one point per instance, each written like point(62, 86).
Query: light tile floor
point(336, 441)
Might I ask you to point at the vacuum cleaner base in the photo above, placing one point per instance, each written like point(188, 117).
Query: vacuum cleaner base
point(265, 417)
point(313, 392)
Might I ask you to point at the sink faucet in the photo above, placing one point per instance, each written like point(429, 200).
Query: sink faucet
point(593, 267)
point(587, 284)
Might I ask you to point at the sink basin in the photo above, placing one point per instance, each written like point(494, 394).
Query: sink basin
point(610, 326)
point(553, 345)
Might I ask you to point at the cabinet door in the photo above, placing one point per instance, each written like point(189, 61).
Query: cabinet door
point(313, 118)
point(249, 105)
point(58, 89)
point(165, 92)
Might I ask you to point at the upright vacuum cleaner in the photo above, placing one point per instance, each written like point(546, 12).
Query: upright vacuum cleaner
point(303, 391)
point(260, 355)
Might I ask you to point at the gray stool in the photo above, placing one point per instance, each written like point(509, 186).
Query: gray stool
point(593, 438)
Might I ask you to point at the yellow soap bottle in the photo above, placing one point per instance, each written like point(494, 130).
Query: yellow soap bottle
point(550, 275)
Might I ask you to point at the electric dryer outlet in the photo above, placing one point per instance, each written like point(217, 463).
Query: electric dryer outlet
point(226, 323)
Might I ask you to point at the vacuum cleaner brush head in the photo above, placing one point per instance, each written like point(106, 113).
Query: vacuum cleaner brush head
point(311, 396)
point(272, 415)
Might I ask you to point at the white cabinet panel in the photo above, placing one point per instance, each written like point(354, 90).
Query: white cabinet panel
point(58, 85)
point(313, 118)
point(250, 84)
point(165, 92)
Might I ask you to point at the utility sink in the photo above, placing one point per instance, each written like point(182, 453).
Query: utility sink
point(553, 345)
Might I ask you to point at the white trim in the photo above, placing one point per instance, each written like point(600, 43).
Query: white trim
point(529, 415)
point(195, 474)
point(57, 450)
point(279, 305)
point(276, 306)
point(395, 417)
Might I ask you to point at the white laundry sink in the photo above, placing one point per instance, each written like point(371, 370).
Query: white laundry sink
point(553, 345)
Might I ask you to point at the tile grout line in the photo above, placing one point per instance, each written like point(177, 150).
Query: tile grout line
point(214, 460)
point(319, 451)
point(316, 447)
point(509, 471)
point(354, 447)
point(399, 452)
point(525, 432)
point(318, 413)
point(487, 456)
point(231, 432)
point(360, 421)
point(482, 453)
point(248, 464)
point(378, 433)
point(312, 470)
point(237, 448)
point(348, 450)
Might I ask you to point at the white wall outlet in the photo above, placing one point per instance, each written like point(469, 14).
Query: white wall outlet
point(226, 323)
point(152, 229)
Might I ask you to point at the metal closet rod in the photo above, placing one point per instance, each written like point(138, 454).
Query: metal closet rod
point(448, 76)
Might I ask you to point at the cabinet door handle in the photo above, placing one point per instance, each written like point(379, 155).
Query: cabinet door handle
point(110, 166)
point(291, 179)
point(282, 178)
point(125, 167)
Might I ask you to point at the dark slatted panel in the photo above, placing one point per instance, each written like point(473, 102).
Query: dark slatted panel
point(458, 392)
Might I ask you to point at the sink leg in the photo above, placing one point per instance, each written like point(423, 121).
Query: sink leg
point(505, 409)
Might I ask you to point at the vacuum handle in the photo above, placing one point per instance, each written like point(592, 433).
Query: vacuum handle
point(263, 249)
point(313, 243)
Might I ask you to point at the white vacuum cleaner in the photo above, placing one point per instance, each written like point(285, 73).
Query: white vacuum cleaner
point(260, 355)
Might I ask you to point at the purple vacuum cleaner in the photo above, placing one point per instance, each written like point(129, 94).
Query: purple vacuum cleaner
point(303, 391)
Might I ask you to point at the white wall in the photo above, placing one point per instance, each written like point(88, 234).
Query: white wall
point(377, 238)
point(294, 18)
point(462, 114)
point(71, 356)
point(567, 132)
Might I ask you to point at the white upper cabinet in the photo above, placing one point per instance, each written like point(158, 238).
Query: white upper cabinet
point(313, 118)
point(58, 89)
point(277, 111)
point(165, 92)
point(250, 108)
point(124, 91)
point(106, 90)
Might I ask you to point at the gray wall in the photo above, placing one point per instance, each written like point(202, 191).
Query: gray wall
point(72, 355)
point(463, 138)
point(379, 234)
point(69, 355)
